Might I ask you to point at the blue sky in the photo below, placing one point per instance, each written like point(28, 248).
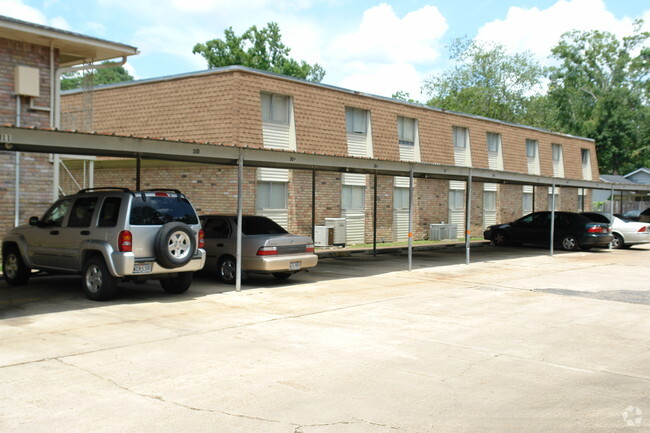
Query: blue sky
point(377, 47)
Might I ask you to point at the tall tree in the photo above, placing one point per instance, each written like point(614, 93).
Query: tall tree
point(486, 81)
point(112, 74)
point(601, 91)
point(260, 49)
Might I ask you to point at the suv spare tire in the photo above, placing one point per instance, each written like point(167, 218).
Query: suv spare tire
point(175, 245)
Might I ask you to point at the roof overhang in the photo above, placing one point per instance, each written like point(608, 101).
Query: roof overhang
point(82, 143)
point(74, 48)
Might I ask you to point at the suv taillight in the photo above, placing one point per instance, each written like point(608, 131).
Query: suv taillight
point(267, 251)
point(125, 241)
point(310, 248)
point(201, 238)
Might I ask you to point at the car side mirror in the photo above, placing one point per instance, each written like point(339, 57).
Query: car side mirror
point(33, 221)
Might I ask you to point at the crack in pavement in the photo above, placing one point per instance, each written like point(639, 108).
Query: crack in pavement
point(298, 427)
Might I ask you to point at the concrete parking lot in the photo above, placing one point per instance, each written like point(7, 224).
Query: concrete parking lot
point(516, 342)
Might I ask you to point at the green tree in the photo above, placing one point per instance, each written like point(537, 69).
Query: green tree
point(260, 49)
point(112, 74)
point(601, 91)
point(487, 81)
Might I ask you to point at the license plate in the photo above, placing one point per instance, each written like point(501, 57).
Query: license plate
point(294, 266)
point(142, 268)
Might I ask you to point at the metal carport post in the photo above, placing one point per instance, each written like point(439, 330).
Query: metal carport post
point(410, 235)
point(552, 216)
point(240, 176)
point(468, 212)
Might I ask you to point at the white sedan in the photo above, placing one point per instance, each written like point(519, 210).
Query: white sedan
point(626, 232)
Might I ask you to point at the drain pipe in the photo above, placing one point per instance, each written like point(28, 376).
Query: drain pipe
point(17, 194)
point(57, 111)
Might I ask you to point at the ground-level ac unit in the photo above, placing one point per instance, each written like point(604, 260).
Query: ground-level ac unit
point(321, 236)
point(338, 224)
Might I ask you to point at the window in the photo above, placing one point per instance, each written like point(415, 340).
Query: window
point(490, 201)
point(531, 148)
point(557, 152)
point(460, 137)
point(352, 197)
point(527, 202)
point(271, 195)
point(109, 212)
point(356, 120)
point(400, 198)
point(585, 157)
point(456, 199)
point(406, 130)
point(275, 108)
point(557, 201)
point(82, 212)
point(581, 200)
point(216, 228)
point(161, 210)
point(493, 142)
point(54, 216)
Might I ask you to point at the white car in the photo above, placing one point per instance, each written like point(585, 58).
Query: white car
point(626, 232)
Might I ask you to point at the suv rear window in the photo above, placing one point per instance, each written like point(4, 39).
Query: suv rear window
point(161, 210)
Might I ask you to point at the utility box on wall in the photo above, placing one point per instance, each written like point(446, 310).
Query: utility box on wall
point(26, 81)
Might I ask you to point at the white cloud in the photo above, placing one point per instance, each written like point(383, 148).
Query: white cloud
point(384, 80)
point(169, 40)
point(17, 9)
point(539, 30)
point(383, 37)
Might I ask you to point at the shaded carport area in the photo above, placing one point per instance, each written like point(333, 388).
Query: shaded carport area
point(73, 142)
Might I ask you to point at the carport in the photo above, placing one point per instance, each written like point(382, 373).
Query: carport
point(73, 142)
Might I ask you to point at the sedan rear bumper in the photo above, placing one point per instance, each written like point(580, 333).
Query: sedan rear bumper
point(596, 240)
point(283, 263)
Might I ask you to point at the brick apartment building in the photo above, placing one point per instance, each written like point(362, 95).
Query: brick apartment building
point(32, 57)
point(244, 107)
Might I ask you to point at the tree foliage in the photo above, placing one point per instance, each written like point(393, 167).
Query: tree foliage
point(486, 81)
point(601, 91)
point(260, 49)
point(112, 74)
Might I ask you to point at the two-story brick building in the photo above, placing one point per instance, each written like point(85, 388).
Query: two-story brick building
point(244, 107)
point(32, 58)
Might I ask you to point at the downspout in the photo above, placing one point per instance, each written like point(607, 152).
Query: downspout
point(57, 110)
point(17, 194)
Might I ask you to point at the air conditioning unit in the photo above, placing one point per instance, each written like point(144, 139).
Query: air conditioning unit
point(321, 236)
point(338, 224)
point(436, 232)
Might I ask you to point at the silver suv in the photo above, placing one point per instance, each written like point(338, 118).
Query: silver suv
point(108, 235)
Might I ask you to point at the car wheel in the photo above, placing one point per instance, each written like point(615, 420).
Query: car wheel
point(98, 283)
point(227, 269)
point(14, 270)
point(569, 243)
point(617, 241)
point(499, 238)
point(282, 275)
point(178, 284)
point(175, 245)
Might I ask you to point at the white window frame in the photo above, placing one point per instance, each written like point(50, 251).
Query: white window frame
point(267, 194)
point(585, 156)
point(490, 201)
point(532, 147)
point(460, 137)
point(275, 108)
point(456, 199)
point(406, 130)
point(557, 152)
point(527, 199)
point(356, 120)
point(353, 197)
point(493, 144)
point(400, 198)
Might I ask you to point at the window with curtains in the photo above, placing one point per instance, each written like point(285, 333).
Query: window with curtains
point(352, 197)
point(490, 201)
point(400, 198)
point(356, 120)
point(406, 130)
point(557, 153)
point(531, 148)
point(460, 137)
point(456, 199)
point(271, 195)
point(275, 108)
point(493, 142)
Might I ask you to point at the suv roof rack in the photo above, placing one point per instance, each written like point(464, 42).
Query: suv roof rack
point(110, 188)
